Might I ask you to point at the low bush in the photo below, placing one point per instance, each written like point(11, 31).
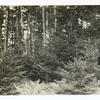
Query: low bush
point(36, 88)
point(75, 74)
point(76, 80)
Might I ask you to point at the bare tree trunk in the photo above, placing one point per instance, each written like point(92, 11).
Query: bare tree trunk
point(1, 22)
point(18, 34)
point(32, 34)
point(28, 35)
point(17, 24)
point(55, 19)
point(12, 39)
point(44, 25)
point(47, 22)
point(45, 16)
point(6, 30)
point(1, 51)
point(43, 19)
point(1, 43)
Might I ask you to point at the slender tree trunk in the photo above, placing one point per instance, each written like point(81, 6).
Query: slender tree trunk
point(43, 19)
point(1, 51)
point(6, 30)
point(45, 16)
point(18, 35)
point(28, 35)
point(12, 39)
point(17, 24)
point(32, 34)
point(44, 25)
point(1, 43)
point(55, 19)
point(47, 21)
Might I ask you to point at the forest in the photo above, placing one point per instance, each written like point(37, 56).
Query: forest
point(47, 50)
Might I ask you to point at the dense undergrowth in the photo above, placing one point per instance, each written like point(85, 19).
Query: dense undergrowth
point(26, 75)
point(76, 80)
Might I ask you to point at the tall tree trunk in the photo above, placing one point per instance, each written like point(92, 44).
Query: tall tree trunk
point(12, 39)
point(18, 35)
point(44, 25)
point(28, 35)
point(6, 30)
point(46, 21)
point(55, 19)
point(32, 34)
point(43, 19)
point(1, 51)
point(1, 43)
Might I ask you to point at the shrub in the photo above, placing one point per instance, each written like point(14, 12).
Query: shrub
point(77, 77)
point(59, 87)
point(36, 88)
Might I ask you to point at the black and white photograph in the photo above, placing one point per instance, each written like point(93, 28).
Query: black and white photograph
point(50, 50)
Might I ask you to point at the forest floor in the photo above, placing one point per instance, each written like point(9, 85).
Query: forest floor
point(36, 88)
point(97, 90)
